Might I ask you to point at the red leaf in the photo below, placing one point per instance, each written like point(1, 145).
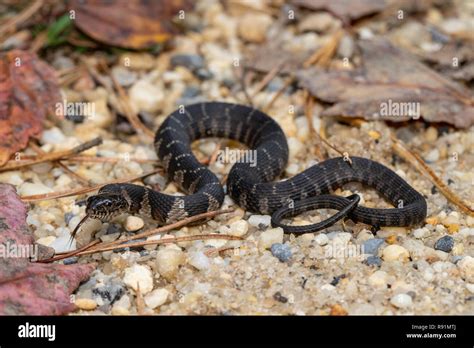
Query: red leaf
point(28, 288)
point(28, 92)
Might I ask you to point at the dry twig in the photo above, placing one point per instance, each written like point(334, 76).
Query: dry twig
point(415, 159)
point(52, 156)
point(81, 190)
point(10, 26)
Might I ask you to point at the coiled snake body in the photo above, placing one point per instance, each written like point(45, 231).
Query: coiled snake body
point(251, 184)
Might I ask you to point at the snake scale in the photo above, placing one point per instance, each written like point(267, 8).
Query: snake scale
point(252, 186)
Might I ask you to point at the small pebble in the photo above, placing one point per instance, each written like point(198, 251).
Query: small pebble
point(470, 287)
point(420, 233)
point(401, 301)
point(445, 244)
point(260, 220)
point(53, 136)
point(139, 275)
point(238, 228)
point(133, 223)
point(145, 96)
point(252, 27)
point(29, 189)
point(395, 252)
point(319, 22)
point(466, 266)
point(378, 279)
point(371, 246)
point(281, 251)
point(373, 261)
point(321, 239)
point(46, 240)
point(85, 304)
point(109, 292)
point(346, 47)
point(168, 261)
point(279, 297)
point(192, 62)
point(328, 287)
point(156, 298)
point(63, 244)
point(432, 156)
point(70, 260)
point(270, 237)
point(199, 260)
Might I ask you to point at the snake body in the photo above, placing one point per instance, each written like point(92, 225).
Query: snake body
point(252, 185)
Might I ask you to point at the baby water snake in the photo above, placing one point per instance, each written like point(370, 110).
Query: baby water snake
point(251, 185)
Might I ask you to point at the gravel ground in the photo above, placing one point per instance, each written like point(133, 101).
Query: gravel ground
point(349, 270)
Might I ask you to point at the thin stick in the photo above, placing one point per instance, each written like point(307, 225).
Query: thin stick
point(65, 255)
point(129, 112)
point(12, 25)
point(39, 41)
point(53, 156)
point(38, 150)
point(415, 159)
point(268, 77)
point(308, 111)
point(81, 190)
point(243, 84)
point(92, 159)
point(161, 241)
point(140, 301)
point(324, 54)
point(140, 244)
point(123, 99)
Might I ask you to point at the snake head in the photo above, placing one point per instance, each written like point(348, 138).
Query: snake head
point(105, 206)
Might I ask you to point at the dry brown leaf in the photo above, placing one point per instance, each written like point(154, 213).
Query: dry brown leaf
point(28, 92)
point(388, 77)
point(274, 55)
point(346, 10)
point(129, 24)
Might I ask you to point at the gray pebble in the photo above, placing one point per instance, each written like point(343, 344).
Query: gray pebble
point(281, 251)
point(275, 85)
point(109, 292)
point(373, 261)
point(445, 244)
point(70, 260)
point(191, 61)
point(113, 228)
point(371, 246)
point(204, 74)
point(279, 297)
point(191, 92)
point(191, 95)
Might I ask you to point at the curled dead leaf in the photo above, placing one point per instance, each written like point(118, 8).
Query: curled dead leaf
point(390, 85)
point(129, 24)
point(28, 92)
